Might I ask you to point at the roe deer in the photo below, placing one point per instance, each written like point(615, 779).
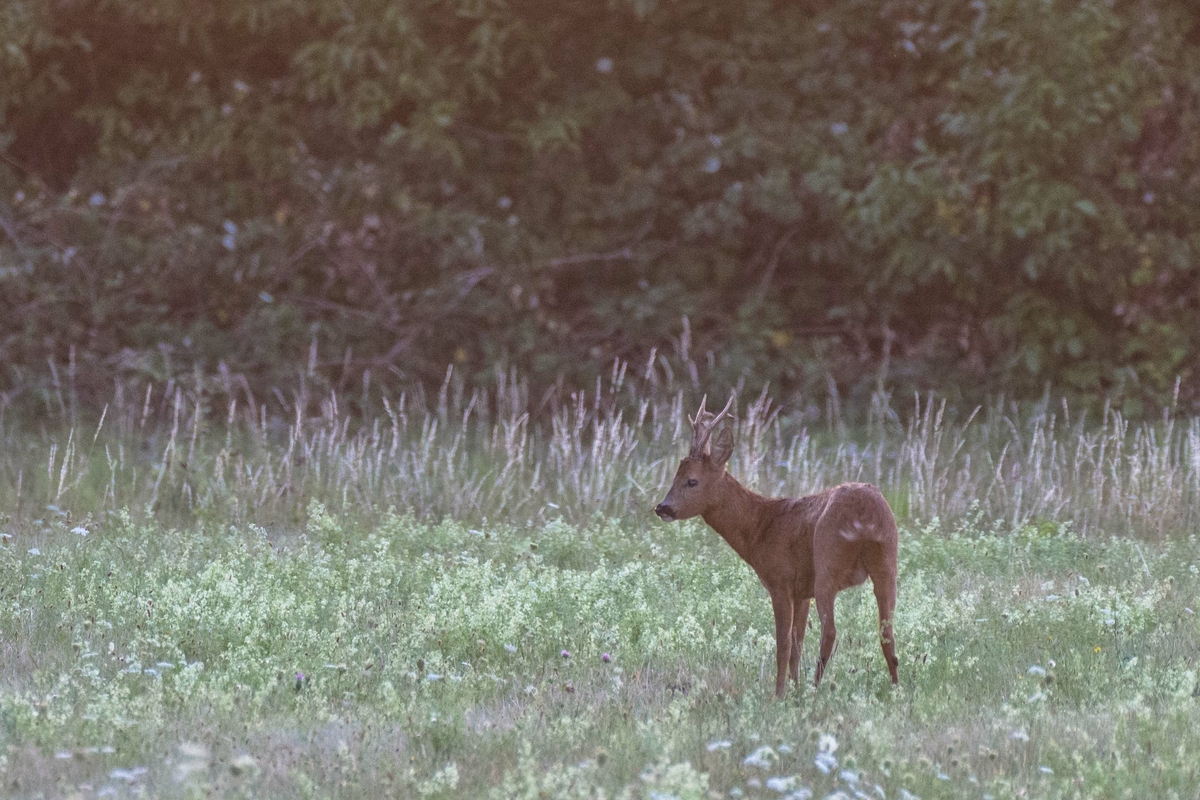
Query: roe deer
point(811, 547)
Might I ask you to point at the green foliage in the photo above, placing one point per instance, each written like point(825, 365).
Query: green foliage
point(879, 191)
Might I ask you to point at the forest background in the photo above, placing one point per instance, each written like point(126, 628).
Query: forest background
point(975, 197)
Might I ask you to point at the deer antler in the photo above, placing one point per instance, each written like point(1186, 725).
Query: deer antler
point(703, 424)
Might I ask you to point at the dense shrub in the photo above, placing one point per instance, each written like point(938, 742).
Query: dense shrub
point(874, 192)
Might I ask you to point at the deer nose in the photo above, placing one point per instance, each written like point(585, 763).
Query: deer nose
point(665, 512)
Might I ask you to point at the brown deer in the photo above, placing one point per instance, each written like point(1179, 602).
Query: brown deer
point(811, 547)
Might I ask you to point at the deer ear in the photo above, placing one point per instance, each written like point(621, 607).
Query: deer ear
point(723, 447)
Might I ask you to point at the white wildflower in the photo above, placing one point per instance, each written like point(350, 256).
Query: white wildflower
point(782, 785)
point(763, 757)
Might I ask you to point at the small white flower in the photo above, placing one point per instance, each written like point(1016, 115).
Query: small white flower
point(33, 551)
point(826, 762)
point(720, 744)
point(604, 65)
point(1045, 770)
point(763, 757)
point(128, 775)
point(1019, 735)
point(512, 648)
point(839, 128)
point(782, 785)
point(712, 164)
point(1037, 672)
point(63, 755)
point(96, 199)
point(79, 530)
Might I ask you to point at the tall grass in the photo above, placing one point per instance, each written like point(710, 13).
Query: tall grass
point(499, 454)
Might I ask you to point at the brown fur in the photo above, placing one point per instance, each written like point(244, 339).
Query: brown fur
point(801, 549)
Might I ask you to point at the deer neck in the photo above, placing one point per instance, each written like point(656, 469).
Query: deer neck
point(736, 515)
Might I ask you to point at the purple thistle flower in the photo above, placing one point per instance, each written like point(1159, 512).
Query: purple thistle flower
point(566, 653)
point(605, 657)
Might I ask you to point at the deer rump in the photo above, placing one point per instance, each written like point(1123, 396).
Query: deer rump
point(855, 532)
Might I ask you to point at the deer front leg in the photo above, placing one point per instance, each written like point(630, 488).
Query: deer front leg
point(781, 603)
point(825, 598)
point(799, 624)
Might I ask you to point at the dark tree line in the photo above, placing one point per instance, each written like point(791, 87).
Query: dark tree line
point(991, 196)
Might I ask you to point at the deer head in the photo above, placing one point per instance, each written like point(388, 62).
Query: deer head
point(691, 492)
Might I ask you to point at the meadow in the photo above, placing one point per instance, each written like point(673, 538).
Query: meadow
point(466, 595)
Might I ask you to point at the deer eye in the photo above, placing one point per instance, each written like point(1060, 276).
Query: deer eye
point(693, 482)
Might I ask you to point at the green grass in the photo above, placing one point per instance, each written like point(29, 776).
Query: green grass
point(168, 571)
point(1034, 662)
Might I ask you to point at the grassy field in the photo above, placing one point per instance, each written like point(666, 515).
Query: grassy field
point(458, 604)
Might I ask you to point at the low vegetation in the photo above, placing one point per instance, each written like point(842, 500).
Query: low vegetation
point(465, 601)
point(596, 659)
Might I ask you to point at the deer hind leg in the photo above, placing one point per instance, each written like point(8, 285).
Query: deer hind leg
point(782, 605)
point(826, 594)
point(799, 624)
point(884, 580)
point(885, 597)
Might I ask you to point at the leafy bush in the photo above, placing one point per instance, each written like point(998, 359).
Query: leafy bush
point(874, 192)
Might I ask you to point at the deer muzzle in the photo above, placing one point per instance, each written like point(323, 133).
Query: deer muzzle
point(665, 512)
